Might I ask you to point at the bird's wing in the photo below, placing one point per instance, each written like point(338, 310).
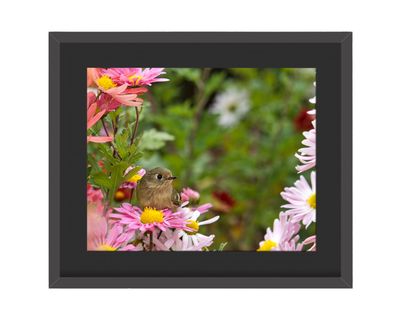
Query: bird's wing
point(176, 198)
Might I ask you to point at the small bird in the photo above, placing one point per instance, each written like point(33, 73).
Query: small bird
point(155, 190)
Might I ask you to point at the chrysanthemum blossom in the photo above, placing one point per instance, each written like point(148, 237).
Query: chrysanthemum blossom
point(148, 219)
point(231, 106)
point(92, 75)
point(312, 240)
point(192, 219)
point(134, 77)
point(302, 200)
point(283, 236)
point(191, 239)
point(103, 237)
point(173, 240)
point(189, 194)
point(308, 154)
point(93, 117)
point(131, 183)
point(93, 195)
point(114, 96)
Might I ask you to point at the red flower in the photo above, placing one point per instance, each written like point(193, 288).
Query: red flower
point(224, 200)
point(302, 122)
point(122, 194)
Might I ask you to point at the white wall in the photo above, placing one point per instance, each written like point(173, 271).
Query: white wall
point(24, 153)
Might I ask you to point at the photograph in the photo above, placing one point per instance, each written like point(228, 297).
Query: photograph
point(201, 159)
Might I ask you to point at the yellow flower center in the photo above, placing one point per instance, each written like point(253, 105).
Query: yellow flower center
point(312, 201)
point(192, 224)
point(106, 247)
point(135, 178)
point(135, 79)
point(105, 82)
point(151, 215)
point(267, 245)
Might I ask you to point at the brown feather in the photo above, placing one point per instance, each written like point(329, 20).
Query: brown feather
point(158, 194)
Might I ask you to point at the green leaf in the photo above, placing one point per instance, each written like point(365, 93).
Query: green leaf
point(154, 140)
point(134, 157)
point(102, 180)
point(214, 83)
point(117, 172)
point(106, 151)
point(122, 142)
point(93, 163)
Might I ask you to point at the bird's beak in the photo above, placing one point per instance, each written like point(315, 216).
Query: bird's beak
point(171, 178)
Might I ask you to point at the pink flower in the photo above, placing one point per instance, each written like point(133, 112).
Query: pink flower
point(148, 219)
point(93, 195)
point(92, 75)
point(103, 237)
point(283, 237)
point(204, 208)
point(92, 117)
point(114, 96)
point(117, 85)
point(135, 77)
point(173, 240)
point(311, 240)
point(188, 194)
point(307, 155)
point(302, 200)
point(292, 245)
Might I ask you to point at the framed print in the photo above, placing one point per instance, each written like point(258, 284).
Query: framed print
point(198, 160)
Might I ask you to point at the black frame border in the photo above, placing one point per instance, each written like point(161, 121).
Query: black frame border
point(343, 39)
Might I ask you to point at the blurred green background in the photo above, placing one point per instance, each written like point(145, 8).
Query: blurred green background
point(240, 167)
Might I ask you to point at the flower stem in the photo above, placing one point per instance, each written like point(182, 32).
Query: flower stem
point(115, 124)
point(115, 152)
point(115, 129)
point(104, 127)
point(136, 125)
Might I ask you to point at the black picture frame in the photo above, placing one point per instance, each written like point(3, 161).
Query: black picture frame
point(71, 266)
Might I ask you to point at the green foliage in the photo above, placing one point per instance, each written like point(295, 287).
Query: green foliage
point(154, 140)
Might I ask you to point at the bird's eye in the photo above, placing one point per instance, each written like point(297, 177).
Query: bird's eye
point(159, 176)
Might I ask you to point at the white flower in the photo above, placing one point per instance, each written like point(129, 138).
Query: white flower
point(180, 240)
point(231, 106)
point(195, 238)
point(302, 200)
point(283, 237)
point(307, 155)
